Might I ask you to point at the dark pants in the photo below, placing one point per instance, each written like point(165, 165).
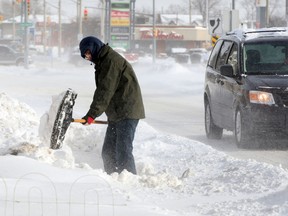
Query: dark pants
point(118, 146)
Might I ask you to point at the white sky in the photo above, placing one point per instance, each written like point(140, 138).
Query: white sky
point(159, 4)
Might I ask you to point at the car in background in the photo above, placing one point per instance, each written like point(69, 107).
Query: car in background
point(131, 57)
point(75, 57)
point(180, 54)
point(33, 50)
point(9, 56)
point(198, 55)
point(16, 44)
point(246, 86)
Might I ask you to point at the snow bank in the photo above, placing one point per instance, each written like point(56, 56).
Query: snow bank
point(189, 175)
point(17, 122)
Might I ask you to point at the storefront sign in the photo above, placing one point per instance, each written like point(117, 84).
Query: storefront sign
point(161, 35)
point(120, 23)
point(120, 13)
point(119, 37)
point(119, 30)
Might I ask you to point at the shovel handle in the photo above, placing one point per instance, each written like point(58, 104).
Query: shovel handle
point(94, 122)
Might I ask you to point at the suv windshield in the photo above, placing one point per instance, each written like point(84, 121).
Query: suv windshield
point(267, 57)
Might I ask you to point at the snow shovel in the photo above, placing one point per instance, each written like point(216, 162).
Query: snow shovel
point(64, 118)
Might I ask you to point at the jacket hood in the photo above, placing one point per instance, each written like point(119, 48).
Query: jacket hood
point(91, 43)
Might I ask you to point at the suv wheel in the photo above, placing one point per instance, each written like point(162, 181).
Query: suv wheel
point(212, 131)
point(20, 63)
point(244, 137)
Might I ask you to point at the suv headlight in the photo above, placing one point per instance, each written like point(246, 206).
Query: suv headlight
point(261, 97)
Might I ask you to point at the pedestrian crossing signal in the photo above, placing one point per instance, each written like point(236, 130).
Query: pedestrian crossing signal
point(155, 32)
point(85, 14)
point(28, 7)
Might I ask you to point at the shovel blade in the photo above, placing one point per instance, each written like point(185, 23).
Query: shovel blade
point(63, 119)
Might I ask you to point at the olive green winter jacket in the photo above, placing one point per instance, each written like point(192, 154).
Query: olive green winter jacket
point(117, 91)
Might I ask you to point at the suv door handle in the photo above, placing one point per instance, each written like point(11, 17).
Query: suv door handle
point(219, 81)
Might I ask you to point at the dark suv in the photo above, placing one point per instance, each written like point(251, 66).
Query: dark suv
point(246, 86)
point(9, 56)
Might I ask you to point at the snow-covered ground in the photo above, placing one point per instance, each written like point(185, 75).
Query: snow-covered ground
point(176, 175)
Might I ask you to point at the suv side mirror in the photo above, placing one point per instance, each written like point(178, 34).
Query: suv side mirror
point(227, 70)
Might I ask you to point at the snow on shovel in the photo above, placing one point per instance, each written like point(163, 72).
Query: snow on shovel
point(64, 118)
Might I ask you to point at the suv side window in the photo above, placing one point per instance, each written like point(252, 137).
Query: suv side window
point(225, 49)
point(4, 50)
point(214, 54)
point(233, 58)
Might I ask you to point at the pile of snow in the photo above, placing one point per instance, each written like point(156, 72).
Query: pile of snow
point(17, 122)
point(191, 175)
point(176, 175)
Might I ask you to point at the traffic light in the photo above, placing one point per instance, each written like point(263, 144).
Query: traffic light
point(48, 21)
point(28, 7)
point(85, 14)
point(155, 32)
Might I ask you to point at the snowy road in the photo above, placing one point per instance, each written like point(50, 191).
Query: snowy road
point(172, 96)
point(182, 113)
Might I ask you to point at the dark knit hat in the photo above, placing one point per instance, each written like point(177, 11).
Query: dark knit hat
point(91, 43)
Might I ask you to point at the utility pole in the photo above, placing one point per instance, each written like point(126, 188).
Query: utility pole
point(14, 29)
point(267, 13)
point(102, 20)
point(262, 13)
point(207, 13)
point(154, 37)
point(231, 15)
point(132, 24)
point(26, 63)
point(60, 30)
point(287, 12)
point(80, 32)
point(190, 11)
point(45, 26)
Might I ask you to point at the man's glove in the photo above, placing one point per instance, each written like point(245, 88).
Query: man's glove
point(88, 120)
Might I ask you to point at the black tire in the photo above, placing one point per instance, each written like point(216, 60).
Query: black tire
point(20, 63)
point(212, 130)
point(244, 136)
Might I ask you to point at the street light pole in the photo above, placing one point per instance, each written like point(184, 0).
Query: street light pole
point(287, 12)
point(207, 13)
point(102, 20)
point(132, 24)
point(26, 36)
point(153, 32)
point(44, 31)
point(267, 13)
point(190, 11)
point(60, 30)
point(14, 29)
point(80, 33)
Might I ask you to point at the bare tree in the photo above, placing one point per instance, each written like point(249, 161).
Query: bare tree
point(249, 8)
point(275, 17)
point(200, 6)
point(176, 9)
point(7, 9)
